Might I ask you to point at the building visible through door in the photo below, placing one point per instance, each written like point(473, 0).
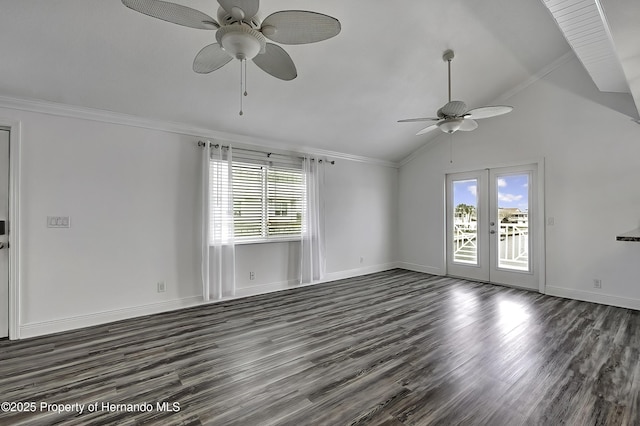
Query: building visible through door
point(4, 233)
point(491, 225)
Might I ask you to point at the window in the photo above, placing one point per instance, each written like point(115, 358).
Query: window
point(267, 199)
point(284, 201)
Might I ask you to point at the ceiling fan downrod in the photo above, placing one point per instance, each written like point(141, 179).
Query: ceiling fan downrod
point(447, 57)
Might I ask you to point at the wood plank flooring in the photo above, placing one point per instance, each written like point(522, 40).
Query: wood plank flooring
point(393, 348)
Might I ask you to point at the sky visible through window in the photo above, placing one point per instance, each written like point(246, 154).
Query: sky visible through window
point(513, 192)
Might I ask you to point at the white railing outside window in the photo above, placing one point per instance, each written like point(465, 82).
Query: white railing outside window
point(465, 249)
point(513, 248)
point(513, 245)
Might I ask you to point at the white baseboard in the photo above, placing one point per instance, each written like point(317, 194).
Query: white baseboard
point(65, 324)
point(421, 268)
point(331, 276)
point(264, 288)
point(81, 321)
point(588, 296)
point(350, 273)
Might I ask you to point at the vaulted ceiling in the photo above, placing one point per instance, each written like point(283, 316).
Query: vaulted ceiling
point(604, 34)
point(385, 65)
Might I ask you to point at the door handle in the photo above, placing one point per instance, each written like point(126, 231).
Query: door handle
point(3, 245)
point(492, 231)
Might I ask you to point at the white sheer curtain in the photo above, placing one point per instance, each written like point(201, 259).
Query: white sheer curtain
point(312, 256)
point(205, 218)
point(218, 251)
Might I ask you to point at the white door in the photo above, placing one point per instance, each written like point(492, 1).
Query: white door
point(4, 233)
point(491, 225)
point(467, 225)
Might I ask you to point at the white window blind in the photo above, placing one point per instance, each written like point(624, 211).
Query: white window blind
point(284, 203)
point(267, 199)
point(219, 202)
point(248, 200)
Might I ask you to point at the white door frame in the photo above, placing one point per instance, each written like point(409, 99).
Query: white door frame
point(540, 250)
point(14, 225)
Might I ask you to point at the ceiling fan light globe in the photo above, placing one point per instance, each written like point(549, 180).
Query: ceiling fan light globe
point(450, 125)
point(240, 45)
point(241, 41)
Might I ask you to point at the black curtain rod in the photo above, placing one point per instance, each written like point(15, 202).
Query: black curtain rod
point(268, 154)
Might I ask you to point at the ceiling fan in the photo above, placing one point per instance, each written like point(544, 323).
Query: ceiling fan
point(454, 116)
point(241, 35)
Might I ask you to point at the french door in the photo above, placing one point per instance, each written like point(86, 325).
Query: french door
point(492, 219)
point(4, 230)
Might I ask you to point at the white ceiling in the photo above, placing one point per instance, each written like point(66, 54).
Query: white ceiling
point(385, 65)
point(623, 19)
point(588, 34)
point(605, 36)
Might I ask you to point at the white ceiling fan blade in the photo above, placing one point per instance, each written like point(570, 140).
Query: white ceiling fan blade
point(468, 125)
point(427, 129)
point(249, 8)
point(299, 27)
point(488, 111)
point(277, 62)
point(413, 120)
point(210, 58)
point(174, 13)
point(453, 109)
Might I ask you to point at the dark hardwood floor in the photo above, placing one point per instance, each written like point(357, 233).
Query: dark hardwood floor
point(393, 348)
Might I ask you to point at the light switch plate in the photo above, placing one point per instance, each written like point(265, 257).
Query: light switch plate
point(58, 222)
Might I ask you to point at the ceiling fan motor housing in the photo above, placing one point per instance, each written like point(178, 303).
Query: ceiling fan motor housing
point(225, 18)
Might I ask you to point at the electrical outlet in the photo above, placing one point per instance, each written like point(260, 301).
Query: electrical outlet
point(252, 275)
point(58, 222)
point(597, 283)
point(161, 287)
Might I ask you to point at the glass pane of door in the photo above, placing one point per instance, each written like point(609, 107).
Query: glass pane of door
point(513, 221)
point(465, 221)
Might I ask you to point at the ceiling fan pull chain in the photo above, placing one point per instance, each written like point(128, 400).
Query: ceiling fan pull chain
point(450, 148)
point(245, 77)
point(241, 87)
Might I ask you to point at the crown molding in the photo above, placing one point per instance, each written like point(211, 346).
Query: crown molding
point(409, 158)
point(542, 73)
point(503, 97)
point(111, 117)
